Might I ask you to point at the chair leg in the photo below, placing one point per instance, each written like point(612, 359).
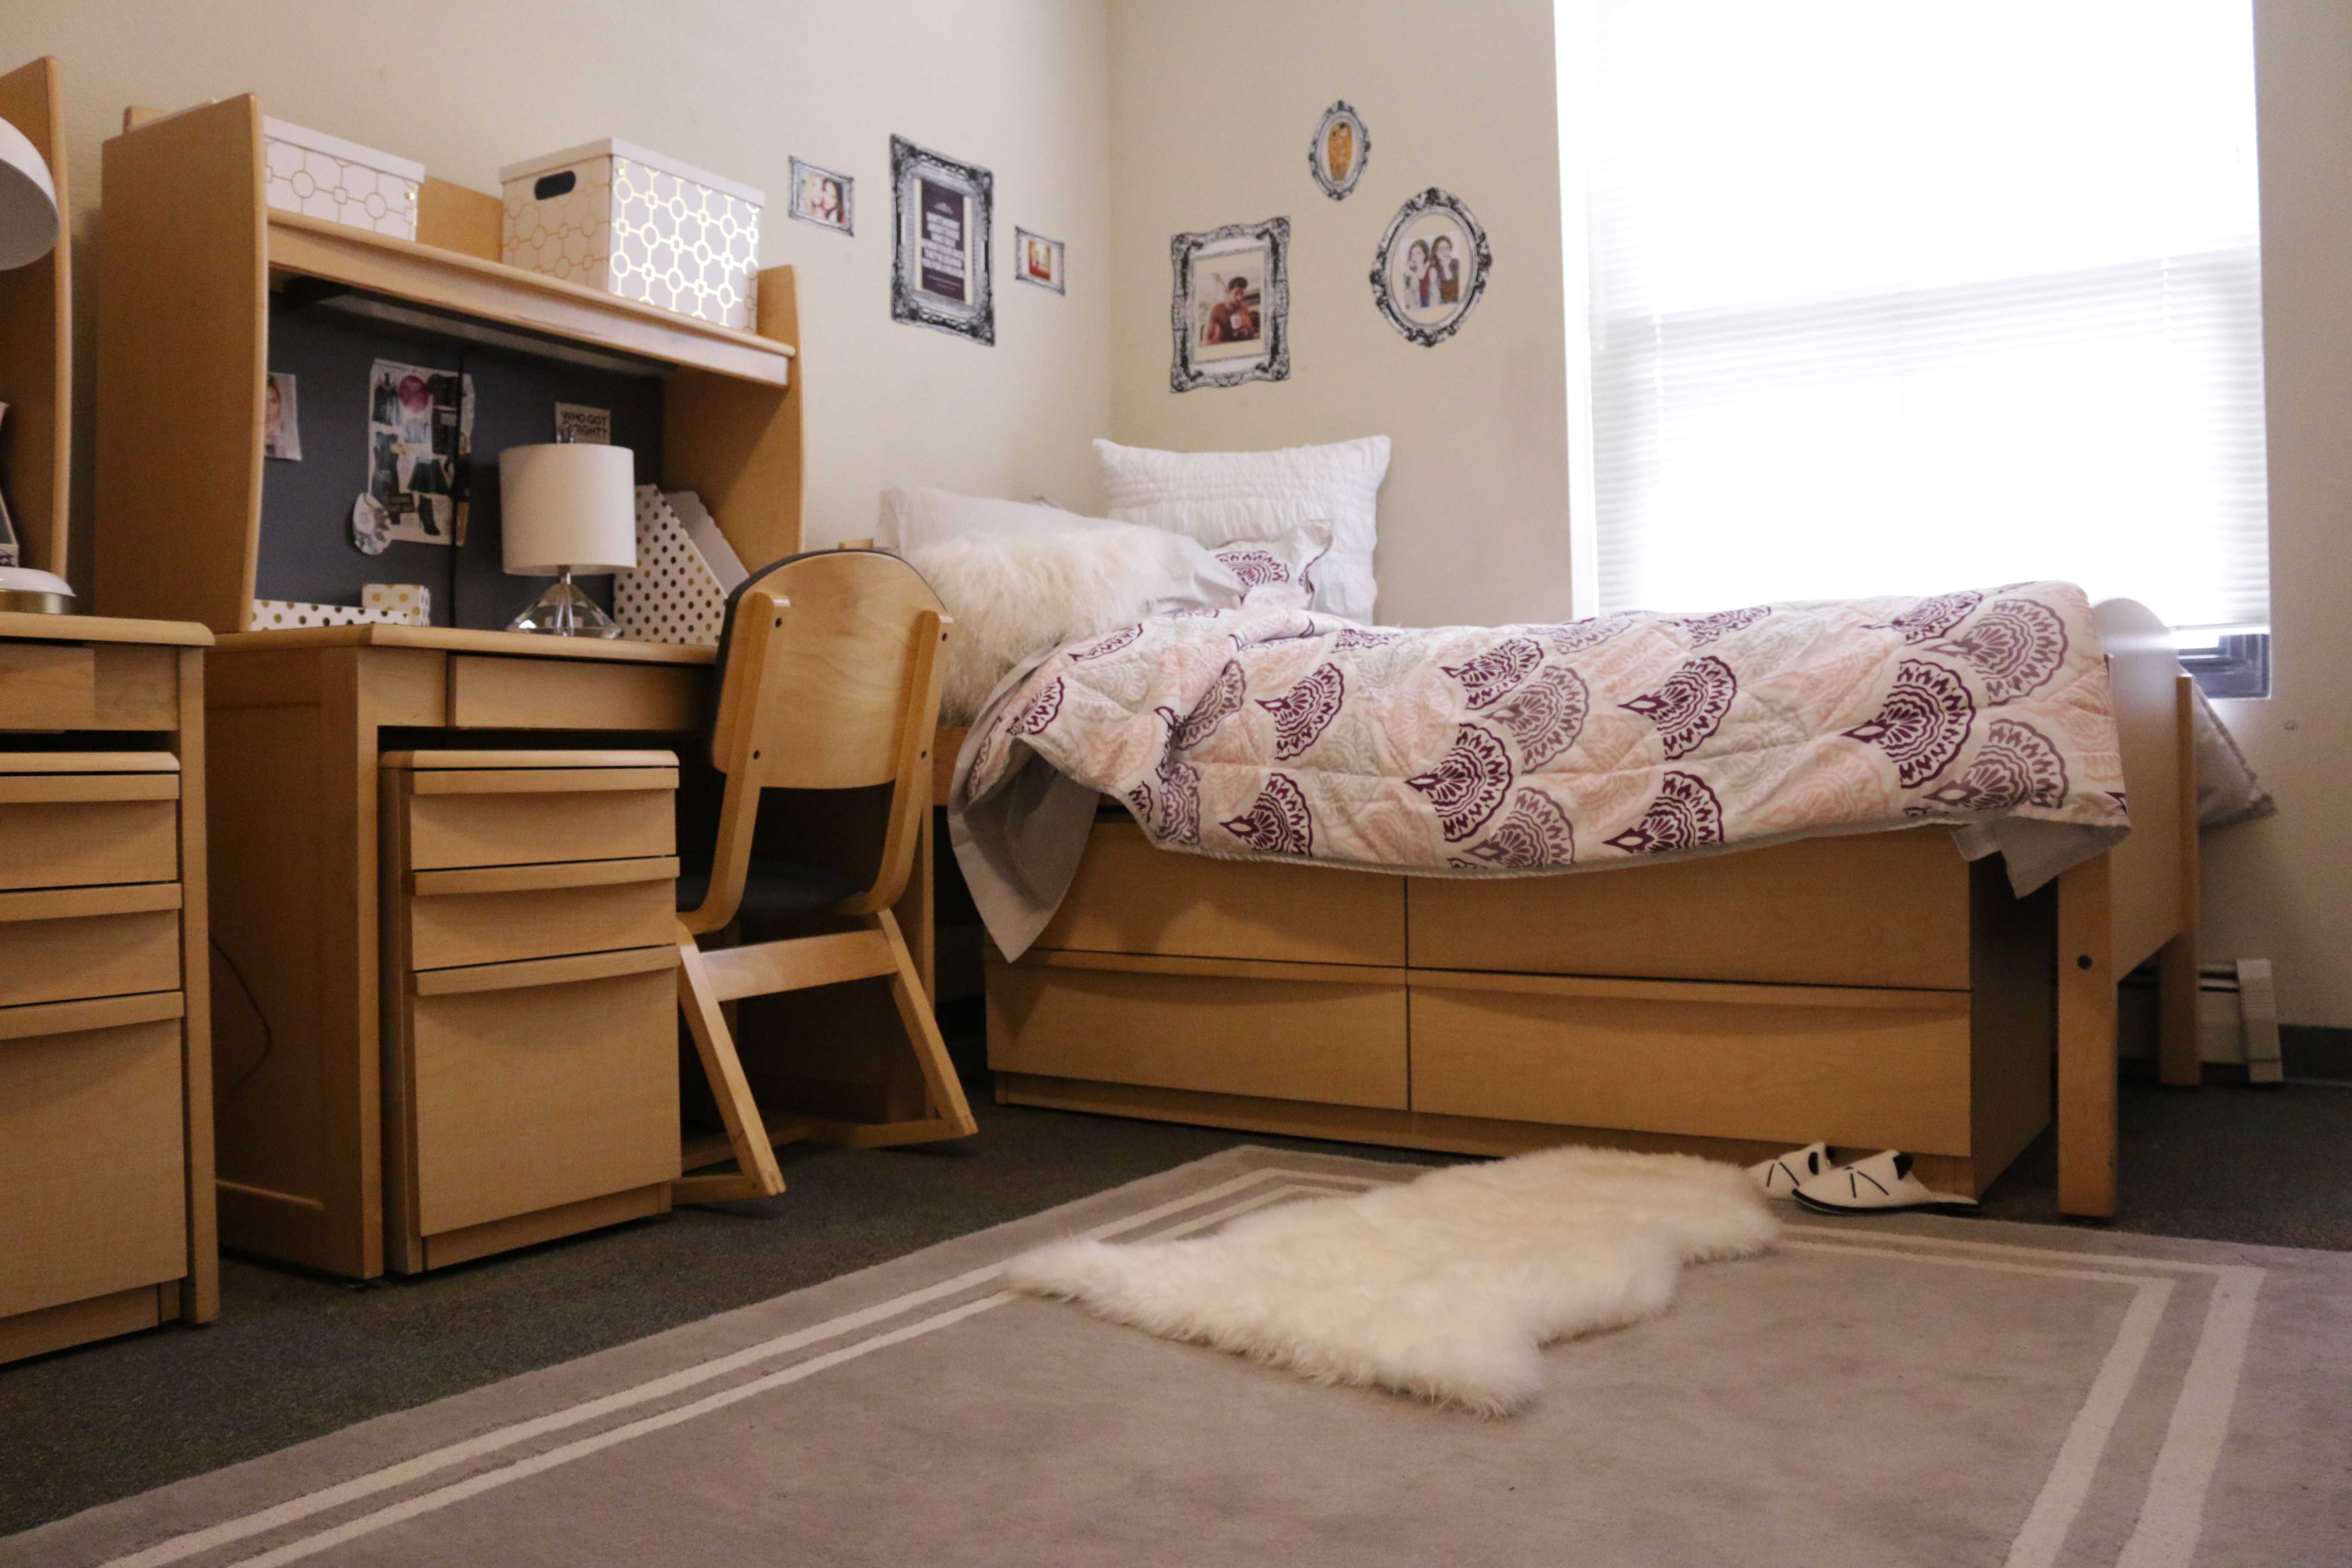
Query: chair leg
point(951, 1114)
point(745, 1129)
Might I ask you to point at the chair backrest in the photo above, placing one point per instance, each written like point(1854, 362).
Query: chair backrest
point(831, 684)
point(830, 666)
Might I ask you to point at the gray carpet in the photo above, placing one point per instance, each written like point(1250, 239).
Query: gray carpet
point(294, 1356)
point(1905, 1390)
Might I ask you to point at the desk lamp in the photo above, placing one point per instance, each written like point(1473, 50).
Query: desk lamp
point(566, 508)
point(29, 231)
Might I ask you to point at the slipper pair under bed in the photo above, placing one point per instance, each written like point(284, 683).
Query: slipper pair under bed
point(1882, 1183)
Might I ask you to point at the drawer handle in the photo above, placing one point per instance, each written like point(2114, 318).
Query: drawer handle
point(69, 903)
point(532, 879)
point(544, 972)
point(77, 1017)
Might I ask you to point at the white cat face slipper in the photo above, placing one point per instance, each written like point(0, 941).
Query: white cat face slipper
point(1782, 1176)
point(1881, 1184)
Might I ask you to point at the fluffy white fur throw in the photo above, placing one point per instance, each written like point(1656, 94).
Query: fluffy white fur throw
point(1445, 1287)
point(1014, 593)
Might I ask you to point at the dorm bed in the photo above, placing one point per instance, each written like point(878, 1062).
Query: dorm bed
point(1871, 989)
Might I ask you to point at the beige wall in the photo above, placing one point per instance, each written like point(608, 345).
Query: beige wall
point(2283, 889)
point(1213, 103)
point(1017, 86)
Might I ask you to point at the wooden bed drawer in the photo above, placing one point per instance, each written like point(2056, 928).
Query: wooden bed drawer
point(71, 942)
point(1876, 909)
point(1878, 1069)
point(73, 830)
point(495, 915)
point(1131, 898)
point(543, 1083)
point(515, 818)
point(1339, 1038)
point(91, 1149)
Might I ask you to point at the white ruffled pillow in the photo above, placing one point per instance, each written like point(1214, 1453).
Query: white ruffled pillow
point(1217, 497)
point(1015, 593)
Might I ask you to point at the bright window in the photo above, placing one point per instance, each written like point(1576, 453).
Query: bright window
point(1886, 296)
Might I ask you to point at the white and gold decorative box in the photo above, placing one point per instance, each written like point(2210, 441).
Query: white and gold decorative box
point(636, 223)
point(317, 175)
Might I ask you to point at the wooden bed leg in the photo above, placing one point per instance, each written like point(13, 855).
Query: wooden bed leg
point(2086, 1043)
point(2179, 1055)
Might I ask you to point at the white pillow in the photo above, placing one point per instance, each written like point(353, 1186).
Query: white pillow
point(1217, 497)
point(1014, 593)
point(915, 519)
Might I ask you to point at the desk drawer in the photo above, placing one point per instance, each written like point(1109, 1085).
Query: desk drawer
point(1342, 1043)
point(527, 815)
point(90, 1152)
point(71, 942)
point(1128, 897)
point(1875, 1070)
point(543, 1083)
point(497, 914)
point(73, 830)
point(575, 694)
point(47, 686)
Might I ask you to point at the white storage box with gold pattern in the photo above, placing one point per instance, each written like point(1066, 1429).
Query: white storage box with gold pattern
point(632, 223)
point(318, 176)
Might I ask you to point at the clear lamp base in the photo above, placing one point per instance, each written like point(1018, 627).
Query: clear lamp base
point(564, 611)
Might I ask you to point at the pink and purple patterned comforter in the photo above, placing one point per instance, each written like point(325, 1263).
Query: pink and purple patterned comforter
point(1473, 751)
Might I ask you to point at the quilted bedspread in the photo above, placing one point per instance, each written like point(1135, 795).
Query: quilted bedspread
point(1270, 734)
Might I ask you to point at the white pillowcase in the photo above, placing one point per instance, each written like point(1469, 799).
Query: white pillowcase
point(1013, 593)
point(1217, 497)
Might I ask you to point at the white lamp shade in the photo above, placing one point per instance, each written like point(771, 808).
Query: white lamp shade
point(29, 202)
point(568, 505)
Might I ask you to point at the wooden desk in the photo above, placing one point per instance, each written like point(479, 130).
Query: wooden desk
point(297, 719)
point(105, 1128)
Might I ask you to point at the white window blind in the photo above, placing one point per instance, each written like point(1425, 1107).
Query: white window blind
point(1898, 296)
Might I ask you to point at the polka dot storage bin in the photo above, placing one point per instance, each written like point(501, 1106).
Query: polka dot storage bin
point(317, 175)
point(673, 595)
point(633, 223)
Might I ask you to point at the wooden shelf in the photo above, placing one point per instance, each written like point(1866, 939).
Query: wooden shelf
point(36, 342)
point(492, 292)
point(189, 251)
point(22, 626)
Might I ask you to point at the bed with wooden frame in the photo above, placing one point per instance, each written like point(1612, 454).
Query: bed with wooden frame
point(1873, 991)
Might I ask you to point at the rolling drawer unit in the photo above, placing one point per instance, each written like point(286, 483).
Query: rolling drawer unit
point(106, 1201)
point(529, 1003)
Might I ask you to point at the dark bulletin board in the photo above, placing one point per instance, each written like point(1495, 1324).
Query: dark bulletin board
point(306, 553)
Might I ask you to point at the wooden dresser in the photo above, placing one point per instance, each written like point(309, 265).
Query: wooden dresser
point(106, 1147)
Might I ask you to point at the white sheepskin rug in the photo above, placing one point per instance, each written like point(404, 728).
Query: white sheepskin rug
point(1443, 1287)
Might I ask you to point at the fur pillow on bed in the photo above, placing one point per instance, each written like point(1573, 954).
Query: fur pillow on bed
point(1015, 594)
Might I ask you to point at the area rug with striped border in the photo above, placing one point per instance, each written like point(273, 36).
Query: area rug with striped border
point(1908, 1390)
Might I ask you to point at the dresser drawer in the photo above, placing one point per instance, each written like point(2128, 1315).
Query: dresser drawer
point(512, 818)
point(70, 942)
point(47, 686)
point(1879, 909)
point(541, 1083)
point(1877, 1069)
point(90, 1153)
point(495, 915)
point(1129, 897)
point(70, 830)
point(1338, 1041)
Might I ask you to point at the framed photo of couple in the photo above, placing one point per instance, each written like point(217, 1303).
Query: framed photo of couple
point(1231, 312)
point(1431, 267)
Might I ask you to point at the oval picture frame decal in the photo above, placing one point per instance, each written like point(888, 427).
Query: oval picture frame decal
point(1431, 267)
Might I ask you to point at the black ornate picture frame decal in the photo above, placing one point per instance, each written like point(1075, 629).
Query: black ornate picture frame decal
point(1431, 267)
point(941, 269)
point(1341, 147)
point(1231, 312)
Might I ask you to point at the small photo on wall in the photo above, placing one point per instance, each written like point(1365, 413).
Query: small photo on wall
point(1036, 259)
point(940, 272)
point(1231, 312)
point(823, 196)
point(281, 419)
point(1431, 267)
point(1341, 145)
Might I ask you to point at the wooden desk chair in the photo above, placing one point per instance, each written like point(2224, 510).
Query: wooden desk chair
point(829, 679)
